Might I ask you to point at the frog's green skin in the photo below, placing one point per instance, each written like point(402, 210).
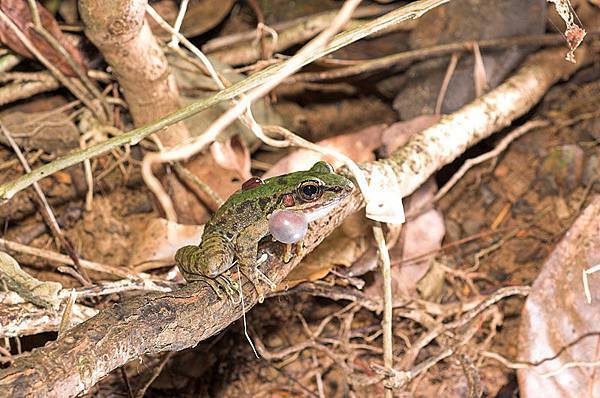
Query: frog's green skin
point(242, 221)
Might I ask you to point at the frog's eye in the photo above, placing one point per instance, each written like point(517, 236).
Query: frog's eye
point(310, 190)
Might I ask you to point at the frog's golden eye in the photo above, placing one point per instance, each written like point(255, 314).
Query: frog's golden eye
point(310, 190)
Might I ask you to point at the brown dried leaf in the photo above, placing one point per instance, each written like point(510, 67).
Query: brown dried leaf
point(558, 322)
point(573, 33)
point(201, 16)
point(358, 146)
point(53, 132)
point(160, 240)
point(222, 182)
point(232, 154)
point(18, 11)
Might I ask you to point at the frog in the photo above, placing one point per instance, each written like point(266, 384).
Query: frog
point(233, 233)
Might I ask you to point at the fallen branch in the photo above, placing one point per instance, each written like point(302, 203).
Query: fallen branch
point(40, 83)
point(121, 272)
point(18, 318)
point(177, 320)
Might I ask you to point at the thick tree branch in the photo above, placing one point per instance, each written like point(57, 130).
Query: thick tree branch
point(178, 320)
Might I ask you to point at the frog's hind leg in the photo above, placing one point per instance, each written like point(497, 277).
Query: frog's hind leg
point(188, 259)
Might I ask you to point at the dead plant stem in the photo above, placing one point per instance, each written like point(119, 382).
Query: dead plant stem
point(386, 272)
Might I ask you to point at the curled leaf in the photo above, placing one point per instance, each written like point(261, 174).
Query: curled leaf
point(19, 12)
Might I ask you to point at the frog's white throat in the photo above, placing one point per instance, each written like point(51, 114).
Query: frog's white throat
point(313, 214)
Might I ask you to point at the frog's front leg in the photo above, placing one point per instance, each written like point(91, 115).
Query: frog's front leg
point(190, 260)
point(247, 251)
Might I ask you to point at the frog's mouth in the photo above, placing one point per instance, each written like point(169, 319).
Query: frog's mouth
point(319, 211)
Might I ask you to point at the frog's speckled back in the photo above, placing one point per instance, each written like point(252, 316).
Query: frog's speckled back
point(249, 207)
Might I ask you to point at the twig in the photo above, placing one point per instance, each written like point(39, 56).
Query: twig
point(386, 272)
point(127, 383)
point(411, 11)
point(399, 378)
point(8, 61)
point(6, 356)
point(65, 321)
point(469, 163)
point(318, 376)
point(475, 389)
point(447, 77)
point(25, 319)
point(428, 337)
point(533, 366)
point(19, 90)
point(232, 39)
point(155, 373)
point(39, 28)
point(386, 62)
point(334, 293)
point(586, 283)
point(283, 35)
point(121, 272)
point(35, 15)
point(178, 21)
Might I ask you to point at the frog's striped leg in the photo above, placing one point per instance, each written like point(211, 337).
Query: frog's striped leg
point(246, 248)
point(188, 260)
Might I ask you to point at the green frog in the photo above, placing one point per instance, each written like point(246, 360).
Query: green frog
point(235, 229)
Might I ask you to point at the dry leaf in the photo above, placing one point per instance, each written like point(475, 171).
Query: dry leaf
point(53, 132)
point(18, 11)
point(201, 16)
point(161, 239)
point(232, 154)
point(44, 294)
point(221, 181)
point(558, 322)
point(573, 33)
point(430, 286)
point(358, 146)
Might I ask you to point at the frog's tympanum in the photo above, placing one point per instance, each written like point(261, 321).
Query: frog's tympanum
point(234, 231)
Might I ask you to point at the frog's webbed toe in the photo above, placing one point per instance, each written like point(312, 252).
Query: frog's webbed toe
point(257, 278)
point(223, 286)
